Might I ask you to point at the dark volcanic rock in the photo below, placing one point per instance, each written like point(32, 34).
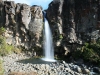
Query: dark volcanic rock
point(77, 21)
point(9, 12)
point(96, 69)
point(72, 22)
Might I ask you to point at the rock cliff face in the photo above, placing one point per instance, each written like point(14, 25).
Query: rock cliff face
point(74, 22)
point(23, 24)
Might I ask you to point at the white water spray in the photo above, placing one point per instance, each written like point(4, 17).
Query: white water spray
point(48, 43)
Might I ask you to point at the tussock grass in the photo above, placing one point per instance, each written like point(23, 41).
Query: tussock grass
point(1, 68)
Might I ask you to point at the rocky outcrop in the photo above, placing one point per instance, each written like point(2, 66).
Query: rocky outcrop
point(76, 21)
point(36, 24)
point(23, 23)
point(72, 22)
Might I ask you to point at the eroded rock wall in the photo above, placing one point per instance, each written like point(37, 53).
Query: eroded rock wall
point(74, 22)
point(23, 24)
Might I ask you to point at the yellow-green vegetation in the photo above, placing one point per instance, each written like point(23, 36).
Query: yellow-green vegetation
point(17, 50)
point(1, 68)
point(89, 52)
point(2, 30)
point(7, 49)
point(60, 36)
point(4, 47)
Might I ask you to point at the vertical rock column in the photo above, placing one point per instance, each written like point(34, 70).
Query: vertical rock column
point(10, 12)
point(2, 14)
point(36, 26)
point(54, 16)
point(10, 22)
point(24, 27)
point(71, 37)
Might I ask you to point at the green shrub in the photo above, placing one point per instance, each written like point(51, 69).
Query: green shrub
point(89, 52)
point(4, 47)
point(60, 36)
point(2, 30)
point(77, 53)
point(1, 68)
point(17, 50)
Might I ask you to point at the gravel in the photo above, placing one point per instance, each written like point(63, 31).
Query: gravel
point(11, 64)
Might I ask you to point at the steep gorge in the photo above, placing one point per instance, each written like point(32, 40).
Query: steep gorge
point(72, 22)
point(23, 24)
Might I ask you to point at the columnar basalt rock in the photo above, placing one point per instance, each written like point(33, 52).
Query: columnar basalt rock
point(36, 24)
point(54, 15)
point(10, 12)
point(78, 21)
point(26, 15)
point(22, 22)
point(72, 22)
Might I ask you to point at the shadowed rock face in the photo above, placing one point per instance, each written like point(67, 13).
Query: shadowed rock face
point(23, 23)
point(77, 21)
point(72, 22)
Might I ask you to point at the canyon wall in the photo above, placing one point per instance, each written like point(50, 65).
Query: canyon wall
point(73, 23)
point(23, 24)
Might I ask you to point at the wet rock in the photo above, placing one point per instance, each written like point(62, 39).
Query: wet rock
point(67, 69)
point(96, 69)
point(79, 62)
point(63, 62)
point(86, 71)
point(78, 69)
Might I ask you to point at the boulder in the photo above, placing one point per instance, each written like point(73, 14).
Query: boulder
point(86, 71)
point(96, 69)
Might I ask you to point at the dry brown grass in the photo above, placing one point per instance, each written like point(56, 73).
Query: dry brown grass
point(22, 73)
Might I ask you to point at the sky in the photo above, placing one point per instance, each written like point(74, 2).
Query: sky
point(43, 3)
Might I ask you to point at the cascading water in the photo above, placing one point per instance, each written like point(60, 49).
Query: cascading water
point(48, 43)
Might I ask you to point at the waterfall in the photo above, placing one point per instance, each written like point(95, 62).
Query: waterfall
point(48, 43)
